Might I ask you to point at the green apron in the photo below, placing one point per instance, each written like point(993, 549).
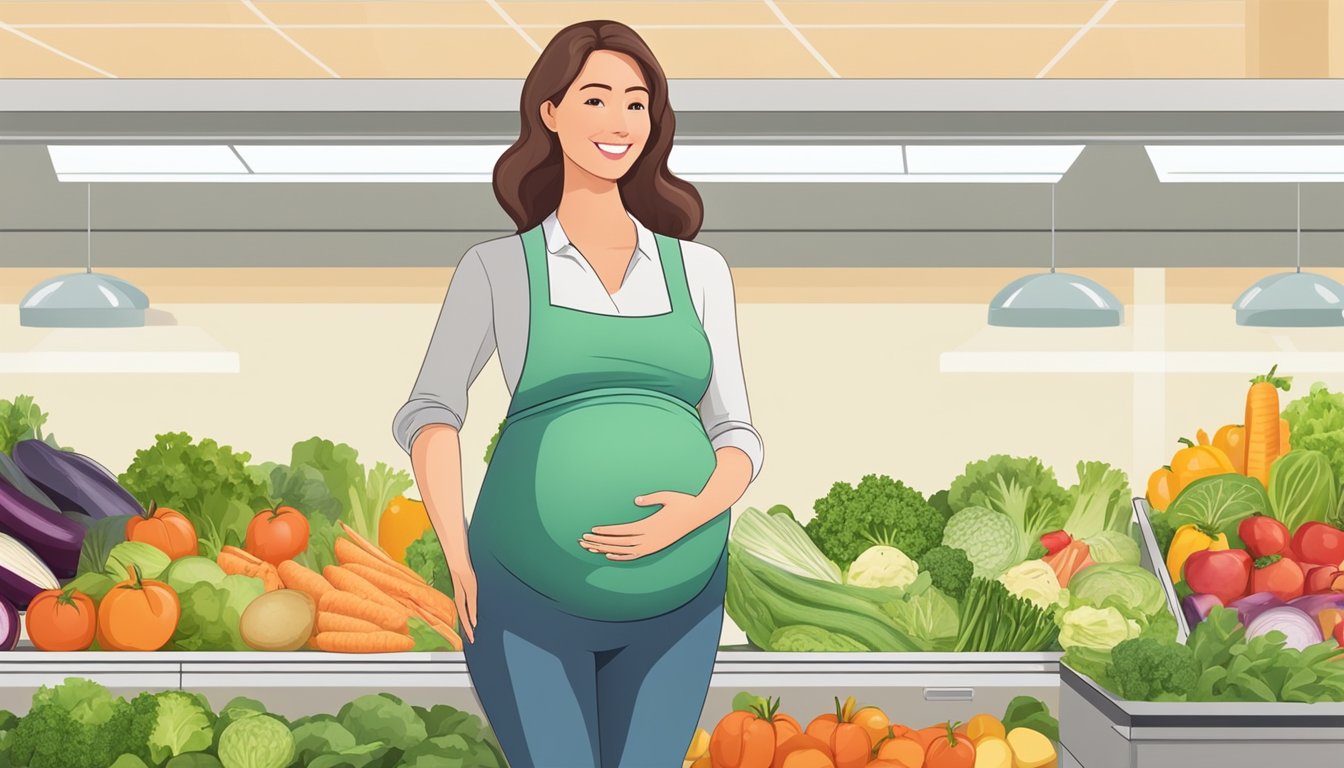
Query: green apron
point(604, 411)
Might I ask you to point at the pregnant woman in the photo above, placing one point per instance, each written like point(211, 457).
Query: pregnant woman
point(596, 552)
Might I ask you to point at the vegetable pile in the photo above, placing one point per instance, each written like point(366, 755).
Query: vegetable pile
point(757, 735)
point(1005, 560)
point(79, 724)
point(175, 555)
point(1255, 521)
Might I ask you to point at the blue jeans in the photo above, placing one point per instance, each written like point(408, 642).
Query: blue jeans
point(566, 692)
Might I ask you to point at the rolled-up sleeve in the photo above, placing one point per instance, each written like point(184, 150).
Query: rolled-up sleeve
point(463, 340)
point(724, 410)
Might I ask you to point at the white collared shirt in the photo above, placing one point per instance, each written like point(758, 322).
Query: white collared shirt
point(487, 310)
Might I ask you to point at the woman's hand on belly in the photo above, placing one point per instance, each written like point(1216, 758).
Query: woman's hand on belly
point(680, 514)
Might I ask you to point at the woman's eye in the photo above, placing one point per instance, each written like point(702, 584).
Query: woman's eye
point(594, 102)
point(637, 105)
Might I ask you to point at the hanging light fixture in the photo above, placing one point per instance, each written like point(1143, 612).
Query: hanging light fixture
point(1292, 299)
point(85, 299)
point(1055, 299)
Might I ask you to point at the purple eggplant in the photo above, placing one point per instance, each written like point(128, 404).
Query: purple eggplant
point(54, 538)
point(9, 626)
point(1248, 608)
point(1198, 607)
point(11, 472)
point(76, 483)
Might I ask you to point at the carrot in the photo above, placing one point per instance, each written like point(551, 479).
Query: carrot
point(234, 564)
point(339, 622)
point(344, 579)
point(379, 555)
point(437, 602)
point(445, 630)
point(242, 553)
point(306, 580)
point(1263, 442)
point(363, 642)
point(337, 601)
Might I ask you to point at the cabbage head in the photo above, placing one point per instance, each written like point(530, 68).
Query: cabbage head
point(1113, 547)
point(882, 566)
point(1130, 588)
point(1098, 628)
point(803, 638)
point(990, 540)
point(259, 741)
point(1034, 581)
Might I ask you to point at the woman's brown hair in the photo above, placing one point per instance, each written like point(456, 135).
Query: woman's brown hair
point(529, 176)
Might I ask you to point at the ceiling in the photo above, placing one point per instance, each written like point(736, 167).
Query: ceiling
point(728, 39)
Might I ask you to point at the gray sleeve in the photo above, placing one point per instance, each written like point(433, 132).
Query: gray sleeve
point(724, 410)
point(463, 341)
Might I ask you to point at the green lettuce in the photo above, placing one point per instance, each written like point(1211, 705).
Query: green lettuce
point(1302, 489)
point(1218, 503)
point(22, 419)
point(362, 496)
point(1024, 489)
point(1101, 501)
point(180, 726)
point(1316, 423)
point(211, 614)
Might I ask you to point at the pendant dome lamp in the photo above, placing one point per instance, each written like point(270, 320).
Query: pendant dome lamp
point(85, 299)
point(1055, 299)
point(1292, 299)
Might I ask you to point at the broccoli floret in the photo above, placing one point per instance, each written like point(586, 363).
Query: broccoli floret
point(949, 568)
point(939, 501)
point(1162, 531)
point(879, 511)
point(51, 737)
point(1144, 669)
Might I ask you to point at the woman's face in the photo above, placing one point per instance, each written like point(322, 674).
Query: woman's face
point(603, 119)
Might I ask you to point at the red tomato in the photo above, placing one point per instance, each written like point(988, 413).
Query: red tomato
point(277, 536)
point(1320, 543)
point(1321, 578)
point(1264, 536)
point(1278, 576)
point(1224, 573)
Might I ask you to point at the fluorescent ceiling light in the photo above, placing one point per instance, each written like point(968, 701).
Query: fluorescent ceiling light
point(280, 178)
point(785, 159)
point(1047, 159)
point(144, 159)
point(1266, 164)
point(375, 160)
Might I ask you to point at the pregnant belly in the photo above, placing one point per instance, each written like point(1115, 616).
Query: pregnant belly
point(557, 474)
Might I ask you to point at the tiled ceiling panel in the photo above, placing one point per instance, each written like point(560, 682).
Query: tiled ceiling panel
point(1075, 13)
point(695, 53)
point(386, 12)
point(20, 58)
point(183, 12)
point(416, 53)
point(1152, 52)
point(662, 12)
point(885, 52)
point(184, 52)
point(1218, 12)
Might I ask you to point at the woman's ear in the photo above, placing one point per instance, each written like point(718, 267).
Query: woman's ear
point(548, 116)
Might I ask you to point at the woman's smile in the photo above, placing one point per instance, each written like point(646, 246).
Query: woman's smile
point(612, 151)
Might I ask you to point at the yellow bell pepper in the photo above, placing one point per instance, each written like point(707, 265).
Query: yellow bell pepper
point(1188, 540)
point(404, 521)
point(1159, 489)
point(1231, 440)
point(1196, 461)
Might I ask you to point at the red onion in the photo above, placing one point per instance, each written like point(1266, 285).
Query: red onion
point(9, 626)
point(1301, 630)
point(1198, 607)
point(1248, 608)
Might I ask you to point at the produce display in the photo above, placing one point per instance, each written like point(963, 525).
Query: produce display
point(1253, 534)
point(192, 549)
point(756, 734)
point(1005, 560)
point(79, 724)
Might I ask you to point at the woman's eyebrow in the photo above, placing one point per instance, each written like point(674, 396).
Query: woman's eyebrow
point(636, 88)
point(595, 85)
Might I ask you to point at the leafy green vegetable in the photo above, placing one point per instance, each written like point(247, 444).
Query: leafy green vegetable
point(304, 487)
point(211, 614)
point(260, 741)
point(194, 760)
point(95, 585)
point(803, 638)
point(879, 510)
point(1218, 503)
point(320, 735)
point(130, 761)
point(930, 615)
point(990, 540)
point(208, 483)
point(185, 572)
point(22, 419)
point(443, 720)
point(780, 509)
point(994, 620)
point(425, 557)
point(385, 718)
point(1099, 628)
point(363, 497)
point(1163, 530)
point(1024, 489)
point(181, 726)
point(762, 598)
point(1130, 589)
point(77, 724)
point(494, 440)
point(373, 755)
point(949, 568)
point(1316, 423)
point(149, 559)
point(1030, 712)
point(1302, 489)
point(1114, 547)
point(99, 538)
point(425, 637)
point(939, 501)
point(1100, 501)
point(782, 542)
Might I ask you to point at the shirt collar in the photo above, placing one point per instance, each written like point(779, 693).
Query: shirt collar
point(557, 242)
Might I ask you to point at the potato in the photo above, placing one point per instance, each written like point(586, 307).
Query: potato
point(281, 620)
point(993, 752)
point(1031, 749)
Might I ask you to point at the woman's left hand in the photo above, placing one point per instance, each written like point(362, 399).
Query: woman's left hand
point(630, 541)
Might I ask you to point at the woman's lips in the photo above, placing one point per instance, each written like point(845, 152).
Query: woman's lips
point(612, 151)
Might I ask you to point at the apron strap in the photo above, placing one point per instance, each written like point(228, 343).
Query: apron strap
point(538, 277)
point(674, 274)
